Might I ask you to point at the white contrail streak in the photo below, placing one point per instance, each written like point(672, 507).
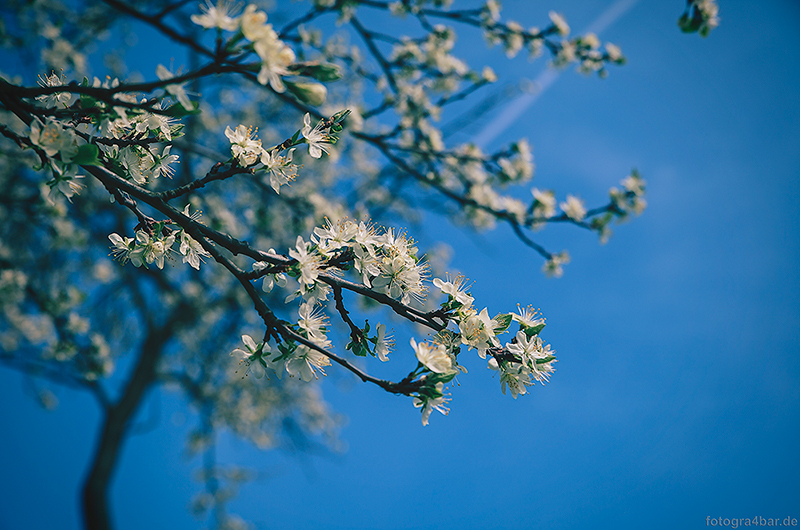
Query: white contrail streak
point(516, 107)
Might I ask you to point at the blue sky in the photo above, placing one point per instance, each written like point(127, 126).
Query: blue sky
point(676, 395)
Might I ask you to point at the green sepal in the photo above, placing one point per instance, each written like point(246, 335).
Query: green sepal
point(87, 155)
point(320, 71)
point(286, 349)
point(340, 116)
point(443, 378)
point(430, 391)
point(503, 321)
point(531, 331)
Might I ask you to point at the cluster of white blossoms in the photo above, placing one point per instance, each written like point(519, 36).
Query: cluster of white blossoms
point(631, 198)
point(583, 49)
point(155, 246)
point(68, 147)
point(521, 362)
point(297, 360)
point(247, 150)
point(388, 263)
point(274, 54)
point(60, 144)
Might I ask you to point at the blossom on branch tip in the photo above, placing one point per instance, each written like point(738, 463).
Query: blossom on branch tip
point(317, 140)
point(191, 249)
point(54, 139)
point(528, 317)
point(477, 331)
point(552, 267)
point(455, 289)
point(175, 90)
point(65, 180)
point(244, 148)
point(162, 163)
point(251, 357)
point(309, 262)
point(280, 168)
point(217, 16)
point(52, 100)
point(514, 376)
point(429, 404)
point(149, 121)
point(383, 343)
point(544, 204)
point(559, 23)
point(275, 57)
point(306, 362)
point(433, 356)
point(573, 207)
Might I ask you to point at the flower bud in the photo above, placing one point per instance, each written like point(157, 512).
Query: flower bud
point(310, 93)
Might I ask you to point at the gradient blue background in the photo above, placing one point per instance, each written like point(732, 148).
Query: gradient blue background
point(676, 395)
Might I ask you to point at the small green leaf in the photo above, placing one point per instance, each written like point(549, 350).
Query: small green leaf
point(360, 349)
point(87, 155)
point(320, 71)
point(177, 111)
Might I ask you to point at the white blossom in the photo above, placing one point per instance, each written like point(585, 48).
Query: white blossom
point(280, 168)
point(574, 208)
point(552, 267)
point(176, 89)
point(217, 16)
point(275, 57)
point(433, 356)
point(318, 142)
point(52, 100)
point(309, 262)
point(456, 289)
point(246, 149)
point(560, 23)
point(428, 405)
point(251, 357)
point(384, 343)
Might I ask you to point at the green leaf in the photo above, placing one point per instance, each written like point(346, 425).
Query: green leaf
point(87, 101)
point(177, 111)
point(87, 155)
